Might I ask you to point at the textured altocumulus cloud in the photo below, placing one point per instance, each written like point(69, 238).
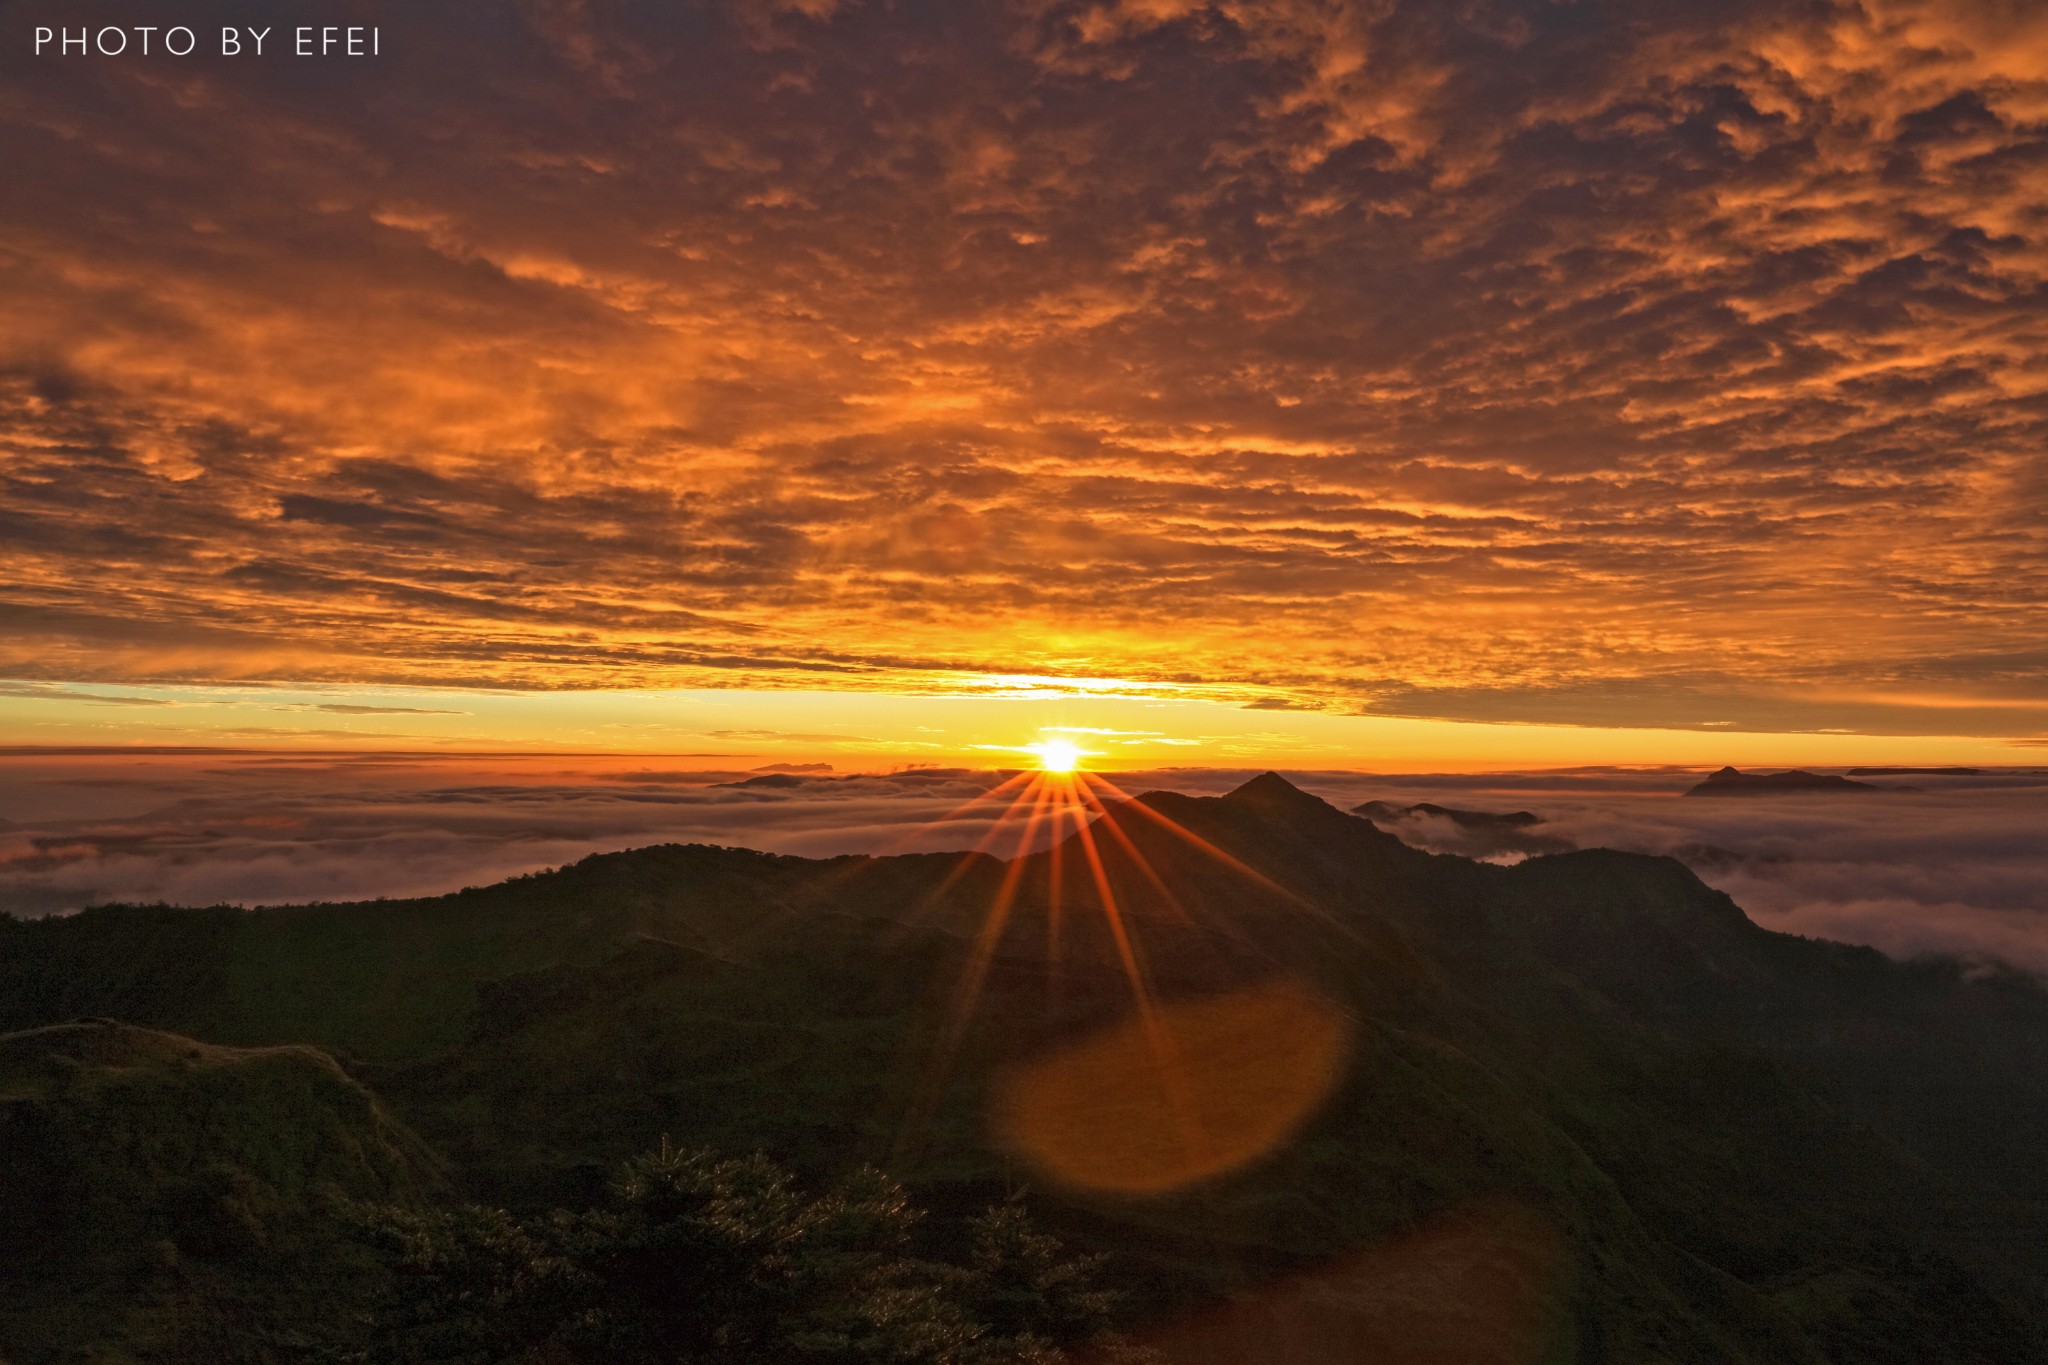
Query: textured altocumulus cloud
point(1596, 363)
point(1955, 868)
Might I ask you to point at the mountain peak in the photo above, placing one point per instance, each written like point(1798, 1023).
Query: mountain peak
point(1271, 789)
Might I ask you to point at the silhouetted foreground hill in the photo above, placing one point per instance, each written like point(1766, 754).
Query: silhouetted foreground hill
point(1382, 1106)
point(147, 1171)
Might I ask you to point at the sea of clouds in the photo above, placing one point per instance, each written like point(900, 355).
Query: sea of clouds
point(1959, 866)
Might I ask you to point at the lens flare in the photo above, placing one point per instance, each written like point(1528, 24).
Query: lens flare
point(1176, 1094)
point(1180, 1091)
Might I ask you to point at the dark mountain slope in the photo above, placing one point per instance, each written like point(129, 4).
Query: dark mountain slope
point(647, 1044)
point(389, 979)
point(172, 1199)
point(1735, 1145)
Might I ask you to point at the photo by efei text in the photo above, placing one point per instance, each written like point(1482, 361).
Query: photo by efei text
point(151, 40)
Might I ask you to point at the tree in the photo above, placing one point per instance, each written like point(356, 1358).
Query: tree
point(698, 1259)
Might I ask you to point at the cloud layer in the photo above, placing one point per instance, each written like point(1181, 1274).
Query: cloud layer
point(1956, 868)
point(250, 828)
point(1593, 363)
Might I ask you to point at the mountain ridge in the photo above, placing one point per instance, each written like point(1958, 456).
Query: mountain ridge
point(1594, 1037)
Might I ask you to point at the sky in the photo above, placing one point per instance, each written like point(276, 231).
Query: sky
point(1395, 385)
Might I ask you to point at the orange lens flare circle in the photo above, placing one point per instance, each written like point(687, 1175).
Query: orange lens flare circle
point(1185, 1091)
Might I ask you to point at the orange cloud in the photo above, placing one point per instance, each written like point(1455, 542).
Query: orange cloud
point(1501, 361)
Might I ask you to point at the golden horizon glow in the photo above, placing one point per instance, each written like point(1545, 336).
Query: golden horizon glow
point(736, 730)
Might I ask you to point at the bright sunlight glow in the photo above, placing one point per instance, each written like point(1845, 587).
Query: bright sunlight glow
point(1057, 755)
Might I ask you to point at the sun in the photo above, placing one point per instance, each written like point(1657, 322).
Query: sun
point(1057, 755)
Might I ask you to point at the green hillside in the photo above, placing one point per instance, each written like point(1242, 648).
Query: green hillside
point(168, 1199)
point(1585, 1094)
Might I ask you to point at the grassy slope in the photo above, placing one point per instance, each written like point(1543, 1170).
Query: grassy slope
point(180, 1196)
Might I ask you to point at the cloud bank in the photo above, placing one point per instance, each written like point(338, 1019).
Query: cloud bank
point(1955, 869)
point(1958, 868)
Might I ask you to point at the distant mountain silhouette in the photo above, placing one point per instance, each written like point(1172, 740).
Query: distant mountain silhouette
point(1731, 782)
point(771, 781)
point(1470, 819)
point(1577, 1109)
point(1916, 772)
